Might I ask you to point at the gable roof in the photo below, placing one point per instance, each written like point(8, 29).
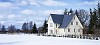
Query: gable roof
point(61, 19)
point(57, 18)
point(66, 21)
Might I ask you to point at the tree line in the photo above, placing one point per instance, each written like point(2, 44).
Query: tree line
point(28, 27)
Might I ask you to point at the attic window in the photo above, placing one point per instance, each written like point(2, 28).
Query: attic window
point(51, 24)
point(71, 23)
point(76, 23)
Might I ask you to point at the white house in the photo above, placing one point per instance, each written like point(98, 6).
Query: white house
point(59, 24)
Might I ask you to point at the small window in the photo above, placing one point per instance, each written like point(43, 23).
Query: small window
point(74, 30)
point(74, 18)
point(56, 31)
point(68, 30)
point(51, 31)
point(51, 24)
point(76, 23)
point(71, 23)
point(78, 30)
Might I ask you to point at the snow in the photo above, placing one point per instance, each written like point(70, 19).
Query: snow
point(31, 39)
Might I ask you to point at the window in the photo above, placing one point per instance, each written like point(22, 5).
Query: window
point(74, 30)
point(78, 30)
point(56, 31)
point(51, 24)
point(71, 23)
point(76, 23)
point(51, 31)
point(74, 18)
point(68, 30)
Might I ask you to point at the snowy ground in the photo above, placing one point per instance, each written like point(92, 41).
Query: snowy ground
point(30, 39)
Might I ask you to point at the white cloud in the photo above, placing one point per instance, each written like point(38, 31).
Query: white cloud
point(1, 16)
point(5, 4)
point(53, 3)
point(88, 3)
point(11, 16)
point(8, 5)
point(28, 12)
point(48, 12)
point(23, 3)
point(33, 2)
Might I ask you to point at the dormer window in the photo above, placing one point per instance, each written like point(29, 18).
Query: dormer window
point(71, 23)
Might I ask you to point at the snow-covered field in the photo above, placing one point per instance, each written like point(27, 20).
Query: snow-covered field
point(30, 39)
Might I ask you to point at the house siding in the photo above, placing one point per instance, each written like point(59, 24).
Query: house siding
point(50, 28)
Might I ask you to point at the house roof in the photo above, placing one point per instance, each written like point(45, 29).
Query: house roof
point(57, 18)
point(61, 19)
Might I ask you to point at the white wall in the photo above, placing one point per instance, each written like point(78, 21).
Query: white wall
point(50, 28)
point(63, 31)
point(74, 26)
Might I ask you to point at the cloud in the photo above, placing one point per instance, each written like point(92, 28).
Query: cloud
point(23, 3)
point(11, 16)
point(1, 16)
point(48, 12)
point(33, 2)
point(88, 3)
point(28, 12)
point(5, 4)
point(53, 3)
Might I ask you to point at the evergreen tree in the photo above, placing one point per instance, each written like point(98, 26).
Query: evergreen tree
point(71, 11)
point(93, 19)
point(98, 12)
point(45, 27)
point(77, 14)
point(98, 9)
point(65, 12)
point(34, 30)
point(3, 28)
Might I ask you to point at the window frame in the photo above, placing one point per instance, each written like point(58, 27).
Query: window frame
point(78, 30)
point(68, 30)
point(76, 23)
point(74, 30)
point(71, 23)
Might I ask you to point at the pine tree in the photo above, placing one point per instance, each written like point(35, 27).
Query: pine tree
point(45, 27)
point(34, 30)
point(65, 12)
point(98, 9)
point(93, 19)
point(77, 14)
point(3, 28)
point(71, 11)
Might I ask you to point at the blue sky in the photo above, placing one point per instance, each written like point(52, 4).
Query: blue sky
point(17, 12)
